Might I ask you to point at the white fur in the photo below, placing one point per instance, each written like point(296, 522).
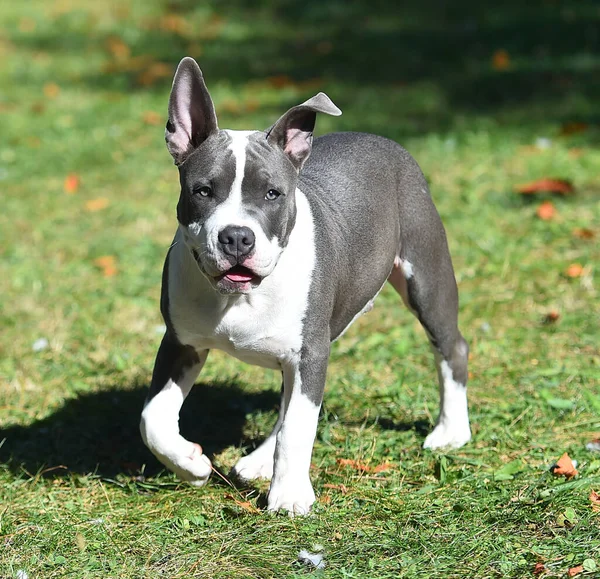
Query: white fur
point(407, 268)
point(452, 429)
point(160, 430)
point(291, 489)
point(260, 327)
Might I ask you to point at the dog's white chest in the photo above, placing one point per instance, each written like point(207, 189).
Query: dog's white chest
point(261, 328)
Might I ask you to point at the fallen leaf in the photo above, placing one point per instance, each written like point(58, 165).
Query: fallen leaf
point(245, 505)
point(572, 128)
point(355, 464)
point(546, 211)
point(564, 467)
point(154, 72)
point(281, 81)
point(117, 48)
point(51, 90)
point(575, 571)
point(381, 467)
point(551, 317)
point(26, 25)
point(547, 185)
point(595, 500)
point(500, 60)
point(72, 182)
point(584, 233)
point(574, 270)
point(325, 499)
point(341, 487)
point(575, 152)
point(151, 118)
point(97, 204)
point(539, 568)
point(107, 264)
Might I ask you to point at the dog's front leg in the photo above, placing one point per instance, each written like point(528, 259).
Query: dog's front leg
point(175, 371)
point(303, 382)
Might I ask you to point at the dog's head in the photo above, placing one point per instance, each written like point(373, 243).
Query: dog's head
point(237, 206)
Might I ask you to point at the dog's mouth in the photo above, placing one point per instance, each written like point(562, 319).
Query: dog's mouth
point(238, 274)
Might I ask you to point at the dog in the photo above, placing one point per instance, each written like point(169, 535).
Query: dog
point(281, 244)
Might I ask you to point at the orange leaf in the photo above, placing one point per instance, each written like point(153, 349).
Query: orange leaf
point(500, 60)
point(564, 467)
point(539, 568)
point(51, 90)
point(574, 270)
point(561, 186)
point(151, 118)
point(584, 233)
point(72, 183)
point(107, 264)
point(551, 317)
point(595, 500)
point(546, 211)
point(381, 467)
point(246, 505)
point(573, 128)
point(97, 204)
point(117, 48)
point(355, 464)
point(575, 571)
point(341, 487)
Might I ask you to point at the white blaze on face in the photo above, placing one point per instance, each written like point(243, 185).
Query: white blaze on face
point(232, 212)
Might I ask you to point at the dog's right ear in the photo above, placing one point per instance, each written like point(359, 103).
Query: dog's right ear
point(192, 115)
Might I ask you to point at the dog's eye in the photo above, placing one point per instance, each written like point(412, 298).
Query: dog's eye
point(204, 191)
point(272, 194)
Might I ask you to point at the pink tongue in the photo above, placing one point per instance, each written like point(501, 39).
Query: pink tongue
point(239, 277)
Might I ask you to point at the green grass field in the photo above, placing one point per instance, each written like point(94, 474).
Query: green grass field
point(486, 98)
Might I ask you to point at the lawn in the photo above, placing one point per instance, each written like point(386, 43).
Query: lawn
point(486, 99)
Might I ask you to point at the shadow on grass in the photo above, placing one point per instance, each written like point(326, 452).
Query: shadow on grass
point(551, 50)
point(98, 433)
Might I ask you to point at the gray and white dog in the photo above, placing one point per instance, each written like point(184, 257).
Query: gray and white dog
point(282, 243)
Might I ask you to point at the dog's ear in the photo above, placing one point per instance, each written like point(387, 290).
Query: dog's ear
point(293, 132)
point(192, 115)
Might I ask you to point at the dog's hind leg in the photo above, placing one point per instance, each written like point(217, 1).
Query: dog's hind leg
point(175, 371)
point(425, 280)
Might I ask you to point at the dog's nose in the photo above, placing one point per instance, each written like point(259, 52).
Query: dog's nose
point(236, 241)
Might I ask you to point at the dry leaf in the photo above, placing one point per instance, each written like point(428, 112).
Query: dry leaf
point(151, 118)
point(355, 464)
point(546, 185)
point(26, 25)
point(539, 568)
point(551, 317)
point(575, 152)
point(575, 571)
point(573, 128)
point(154, 72)
point(564, 467)
point(500, 60)
point(341, 487)
point(574, 270)
point(595, 500)
point(51, 90)
point(381, 467)
point(107, 264)
point(245, 505)
point(325, 499)
point(117, 48)
point(72, 183)
point(97, 204)
point(546, 211)
point(584, 233)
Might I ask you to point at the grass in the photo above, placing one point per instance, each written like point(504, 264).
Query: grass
point(85, 87)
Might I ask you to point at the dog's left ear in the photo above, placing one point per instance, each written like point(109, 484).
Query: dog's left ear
point(192, 115)
point(293, 132)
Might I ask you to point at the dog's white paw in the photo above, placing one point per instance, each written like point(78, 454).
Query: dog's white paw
point(192, 466)
point(446, 436)
point(257, 465)
point(295, 496)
